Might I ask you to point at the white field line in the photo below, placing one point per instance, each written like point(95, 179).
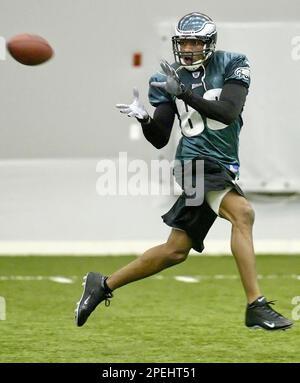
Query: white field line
point(56, 278)
point(186, 279)
point(199, 278)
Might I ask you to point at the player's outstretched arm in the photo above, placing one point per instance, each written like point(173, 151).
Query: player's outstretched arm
point(135, 109)
point(157, 130)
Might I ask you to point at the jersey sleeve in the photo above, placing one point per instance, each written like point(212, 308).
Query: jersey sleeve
point(157, 95)
point(238, 69)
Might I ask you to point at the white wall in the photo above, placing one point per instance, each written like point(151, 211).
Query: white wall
point(270, 137)
point(52, 207)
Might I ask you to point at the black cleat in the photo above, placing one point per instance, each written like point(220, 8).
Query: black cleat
point(259, 314)
point(94, 292)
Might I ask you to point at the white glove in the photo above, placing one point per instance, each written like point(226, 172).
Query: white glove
point(172, 85)
point(136, 109)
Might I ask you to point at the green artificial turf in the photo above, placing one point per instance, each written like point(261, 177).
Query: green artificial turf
point(158, 319)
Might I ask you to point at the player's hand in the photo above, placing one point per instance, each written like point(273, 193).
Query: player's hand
point(136, 109)
point(172, 85)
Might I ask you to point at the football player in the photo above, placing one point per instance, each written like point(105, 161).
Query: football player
point(205, 90)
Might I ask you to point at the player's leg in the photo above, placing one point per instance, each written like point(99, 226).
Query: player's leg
point(236, 209)
point(174, 251)
point(98, 288)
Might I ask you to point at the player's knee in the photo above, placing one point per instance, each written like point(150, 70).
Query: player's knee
point(245, 216)
point(176, 254)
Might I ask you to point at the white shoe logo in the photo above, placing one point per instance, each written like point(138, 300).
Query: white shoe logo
point(261, 299)
point(271, 325)
point(86, 301)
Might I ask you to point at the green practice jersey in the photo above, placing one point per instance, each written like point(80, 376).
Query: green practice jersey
point(203, 136)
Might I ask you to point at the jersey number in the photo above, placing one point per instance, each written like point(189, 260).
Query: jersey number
point(191, 122)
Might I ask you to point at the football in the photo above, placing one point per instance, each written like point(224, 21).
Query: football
point(29, 49)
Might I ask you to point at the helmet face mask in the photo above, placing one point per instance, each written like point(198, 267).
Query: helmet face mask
point(191, 58)
point(192, 28)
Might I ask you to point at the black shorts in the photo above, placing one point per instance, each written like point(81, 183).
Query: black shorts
point(197, 220)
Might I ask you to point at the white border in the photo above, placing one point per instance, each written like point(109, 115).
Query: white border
point(102, 248)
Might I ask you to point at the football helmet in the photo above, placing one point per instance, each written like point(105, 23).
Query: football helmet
point(197, 27)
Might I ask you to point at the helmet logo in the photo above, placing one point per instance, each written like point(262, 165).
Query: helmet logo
point(208, 29)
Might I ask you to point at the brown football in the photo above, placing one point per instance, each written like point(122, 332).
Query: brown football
point(29, 49)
